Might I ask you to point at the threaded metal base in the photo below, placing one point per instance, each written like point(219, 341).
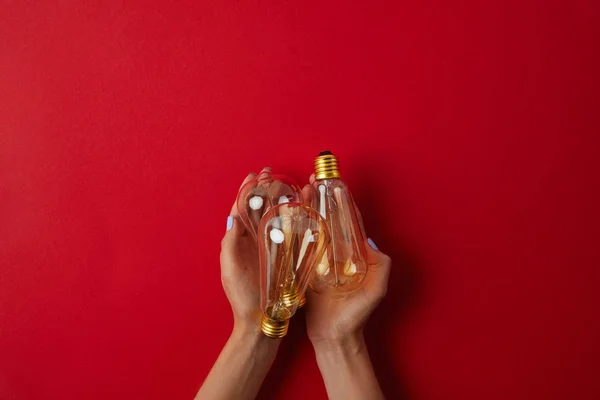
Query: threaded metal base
point(290, 297)
point(302, 301)
point(326, 166)
point(274, 329)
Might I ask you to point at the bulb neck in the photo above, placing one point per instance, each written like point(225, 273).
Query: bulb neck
point(274, 329)
point(326, 166)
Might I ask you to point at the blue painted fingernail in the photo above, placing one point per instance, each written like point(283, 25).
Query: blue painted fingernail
point(372, 244)
point(229, 222)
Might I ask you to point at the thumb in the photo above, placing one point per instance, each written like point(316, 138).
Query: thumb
point(379, 269)
point(229, 243)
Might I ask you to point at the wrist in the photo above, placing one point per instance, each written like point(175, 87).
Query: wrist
point(243, 328)
point(251, 335)
point(347, 344)
point(346, 368)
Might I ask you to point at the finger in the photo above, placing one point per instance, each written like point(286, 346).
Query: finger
point(360, 220)
point(264, 173)
point(250, 176)
point(312, 179)
point(234, 210)
point(235, 230)
point(358, 213)
point(308, 196)
point(379, 268)
point(229, 245)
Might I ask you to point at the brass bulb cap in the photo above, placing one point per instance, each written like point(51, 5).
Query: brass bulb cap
point(274, 329)
point(326, 166)
point(302, 301)
point(290, 297)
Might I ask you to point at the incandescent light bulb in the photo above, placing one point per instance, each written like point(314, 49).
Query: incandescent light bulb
point(292, 238)
point(342, 269)
point(257, 197)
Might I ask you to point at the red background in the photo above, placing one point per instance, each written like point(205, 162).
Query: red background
point(468, 132)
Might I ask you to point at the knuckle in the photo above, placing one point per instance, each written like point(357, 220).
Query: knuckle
point(382, 292)
point(386, 260)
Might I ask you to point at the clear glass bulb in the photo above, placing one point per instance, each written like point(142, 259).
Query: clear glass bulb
point(342, 269)
point(292, 238)
point(257, 197)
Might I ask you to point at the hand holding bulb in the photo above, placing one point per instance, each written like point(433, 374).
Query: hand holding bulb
point(239, 269)
point(334, 324)
point(248, 354)
point(330, 319)
point(335, 327)
point(336, 319)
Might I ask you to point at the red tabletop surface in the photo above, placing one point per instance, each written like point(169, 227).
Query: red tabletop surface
point(467, 131)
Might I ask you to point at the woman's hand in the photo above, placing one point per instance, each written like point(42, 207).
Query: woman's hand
point(248, 354)
point(335, 328)
point(239, 271)
point(340, 320)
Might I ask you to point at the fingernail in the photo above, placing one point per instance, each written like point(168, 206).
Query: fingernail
point(229, 222)
point(372, 244)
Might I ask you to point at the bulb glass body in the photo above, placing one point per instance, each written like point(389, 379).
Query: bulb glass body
point(292, 238)
point(344, 266)
point(259, 195)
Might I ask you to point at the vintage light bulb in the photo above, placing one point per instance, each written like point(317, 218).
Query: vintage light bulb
point(342, 269)
point(292, 238)
point(257, 197)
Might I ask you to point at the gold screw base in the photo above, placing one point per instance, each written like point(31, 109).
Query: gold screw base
point(274, 329)
point(290, 297)
point(326, 166)
point(302, 301)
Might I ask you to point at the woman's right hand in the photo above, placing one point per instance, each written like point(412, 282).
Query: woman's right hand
point(330, 320)
point(335, 328)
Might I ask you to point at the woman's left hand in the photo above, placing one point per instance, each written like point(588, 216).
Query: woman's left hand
point(239, 271)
